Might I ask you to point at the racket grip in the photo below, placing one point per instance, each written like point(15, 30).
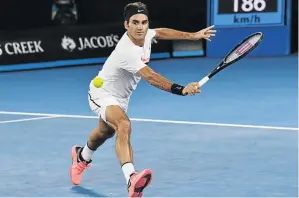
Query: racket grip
point(203, 81)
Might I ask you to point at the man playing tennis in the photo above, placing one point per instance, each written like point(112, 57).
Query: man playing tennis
point(121, 73)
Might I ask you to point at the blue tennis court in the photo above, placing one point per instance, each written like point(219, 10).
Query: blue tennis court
point(238, 138)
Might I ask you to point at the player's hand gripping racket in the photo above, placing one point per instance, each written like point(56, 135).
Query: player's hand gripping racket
point(237, 53)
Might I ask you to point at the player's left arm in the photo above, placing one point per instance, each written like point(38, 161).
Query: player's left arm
point(172, 34)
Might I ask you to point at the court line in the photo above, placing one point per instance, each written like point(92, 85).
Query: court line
point(27, 119)
point(154, 120)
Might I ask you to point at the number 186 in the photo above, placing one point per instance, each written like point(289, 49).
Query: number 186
point(249, 5)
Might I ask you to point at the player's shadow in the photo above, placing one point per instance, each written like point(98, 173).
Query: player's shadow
point(86, 192)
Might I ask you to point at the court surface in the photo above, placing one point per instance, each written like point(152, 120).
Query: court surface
point(238, 138)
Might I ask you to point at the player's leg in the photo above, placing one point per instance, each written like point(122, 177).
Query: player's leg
point(97, 137)
point(81, 156)
point(118, 119)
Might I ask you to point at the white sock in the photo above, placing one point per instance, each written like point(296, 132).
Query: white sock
point(86, 153)
point(128, 169)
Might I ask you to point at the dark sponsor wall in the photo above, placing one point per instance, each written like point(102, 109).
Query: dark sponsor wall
point(65, 43)
point(29, 38)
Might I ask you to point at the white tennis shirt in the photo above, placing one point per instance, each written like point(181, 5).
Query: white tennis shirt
point(119, 70)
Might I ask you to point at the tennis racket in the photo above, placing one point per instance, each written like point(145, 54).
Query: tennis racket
point(237, 53)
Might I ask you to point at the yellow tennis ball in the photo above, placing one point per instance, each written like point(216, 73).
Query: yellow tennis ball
point(98, 82)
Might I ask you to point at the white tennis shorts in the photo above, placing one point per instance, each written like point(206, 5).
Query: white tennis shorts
point(100, 99)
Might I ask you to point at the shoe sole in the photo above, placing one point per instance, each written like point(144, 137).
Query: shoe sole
point(142, 183)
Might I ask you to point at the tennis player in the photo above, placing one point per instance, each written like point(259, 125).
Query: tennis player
point(121, 73)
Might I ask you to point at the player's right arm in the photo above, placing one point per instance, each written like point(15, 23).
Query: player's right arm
point(133, 63)
point(162, 83)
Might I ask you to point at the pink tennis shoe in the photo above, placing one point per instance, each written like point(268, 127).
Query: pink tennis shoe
point(138, 182)
point(78, 166)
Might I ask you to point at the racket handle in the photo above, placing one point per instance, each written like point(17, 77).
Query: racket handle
point(203, 81)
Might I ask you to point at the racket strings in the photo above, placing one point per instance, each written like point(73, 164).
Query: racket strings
point(243, 48)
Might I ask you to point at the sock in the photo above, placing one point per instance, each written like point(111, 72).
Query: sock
point(128, 169)
point(86, 153)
